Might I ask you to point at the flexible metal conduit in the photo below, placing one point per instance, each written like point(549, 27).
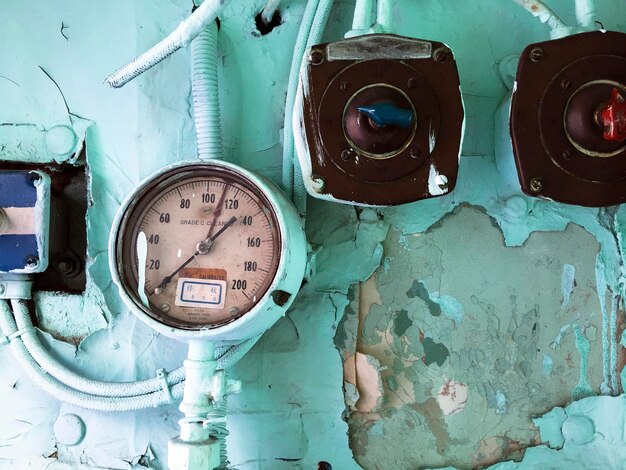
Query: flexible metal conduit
point(311, 30)
point(270, 9)
point(67, 394)
point(186, 31)
point(586, 13)
point(205, 93)
point(71, 388)
point(72, 379)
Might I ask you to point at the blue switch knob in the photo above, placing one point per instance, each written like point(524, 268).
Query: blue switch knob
point(386, 114)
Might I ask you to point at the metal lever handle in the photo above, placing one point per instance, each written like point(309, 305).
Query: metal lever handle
point(613, 117)
point(387, 114)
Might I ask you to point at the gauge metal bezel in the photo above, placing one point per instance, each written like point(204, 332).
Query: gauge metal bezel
point(291, 252)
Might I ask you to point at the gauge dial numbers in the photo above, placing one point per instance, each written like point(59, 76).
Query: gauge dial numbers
point(213, 247)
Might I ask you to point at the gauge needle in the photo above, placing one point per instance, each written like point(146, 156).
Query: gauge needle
point(202, 249)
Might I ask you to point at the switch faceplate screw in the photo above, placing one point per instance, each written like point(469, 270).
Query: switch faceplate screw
point(318, 183)
point(415, 152)
point(536, 185)
point(441, 181)
point(316, 57)
point(441, 54)
point(35, 178)
point(536, 54)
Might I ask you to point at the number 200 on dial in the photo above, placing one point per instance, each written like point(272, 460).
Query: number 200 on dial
point(211, 247)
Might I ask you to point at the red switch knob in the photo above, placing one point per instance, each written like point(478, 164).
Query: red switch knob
point(613, 117)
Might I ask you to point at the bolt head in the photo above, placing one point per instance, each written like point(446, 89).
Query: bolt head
point(318, 184)
point(32, 261)
point(441, 181)
point(35, 178)
point(316, 57)
point(536, 54)
point(441, 54)
point(66, 266)
point(536, 185)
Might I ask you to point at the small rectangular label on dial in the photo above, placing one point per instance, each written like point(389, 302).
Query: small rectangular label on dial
point(200, 293)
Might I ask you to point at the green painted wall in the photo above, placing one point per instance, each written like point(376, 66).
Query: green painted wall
point(433, 334)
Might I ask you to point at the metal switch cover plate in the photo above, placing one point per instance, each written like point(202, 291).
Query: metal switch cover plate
point(346, 156)
point(24, 221)
point(558, 142)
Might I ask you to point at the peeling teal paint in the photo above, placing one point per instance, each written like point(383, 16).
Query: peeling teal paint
point(473, 287)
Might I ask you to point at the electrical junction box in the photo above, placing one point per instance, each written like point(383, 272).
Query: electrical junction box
point(568, 119)
point(24, 221)
point(379, 120)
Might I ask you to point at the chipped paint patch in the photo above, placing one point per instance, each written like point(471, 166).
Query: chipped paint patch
point(497, 347)
point(452, 397)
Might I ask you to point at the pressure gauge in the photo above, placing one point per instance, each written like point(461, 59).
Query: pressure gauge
point(208, 249)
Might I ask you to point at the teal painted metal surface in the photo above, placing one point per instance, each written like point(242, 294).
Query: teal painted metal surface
point(289, 415)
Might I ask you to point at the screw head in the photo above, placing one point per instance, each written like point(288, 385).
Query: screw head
point(316, 57)
point(441, 181)
point(536, 184)
point(415, 152)
point(441, 54)
point(346, 155)
point(412, 82)
point(165, 308)
point(35, 178)
point(65, 266)
point(565, 84)
point(536, 54)
point(343, 86)
point(318, 184)
point(567, 154)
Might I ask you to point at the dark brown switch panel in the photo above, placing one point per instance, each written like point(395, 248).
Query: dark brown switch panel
point(568, 121)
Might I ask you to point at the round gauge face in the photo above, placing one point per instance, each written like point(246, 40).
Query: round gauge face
point(198, 247)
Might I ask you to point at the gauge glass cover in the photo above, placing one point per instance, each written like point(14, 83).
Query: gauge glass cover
point(213, 247)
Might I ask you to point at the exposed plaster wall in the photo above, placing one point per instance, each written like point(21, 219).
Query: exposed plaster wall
point(438, 346)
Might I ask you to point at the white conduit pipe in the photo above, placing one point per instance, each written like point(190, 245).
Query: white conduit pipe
point(205, 94)
point(70, 378)
point(586, 13)
point(270, 9)
point(538, 9)
point(315, 37)
point(294, 74)
point(68, 395)
point(186, 31)
point(384, 13)
point(39, 373)
point(362, 19)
